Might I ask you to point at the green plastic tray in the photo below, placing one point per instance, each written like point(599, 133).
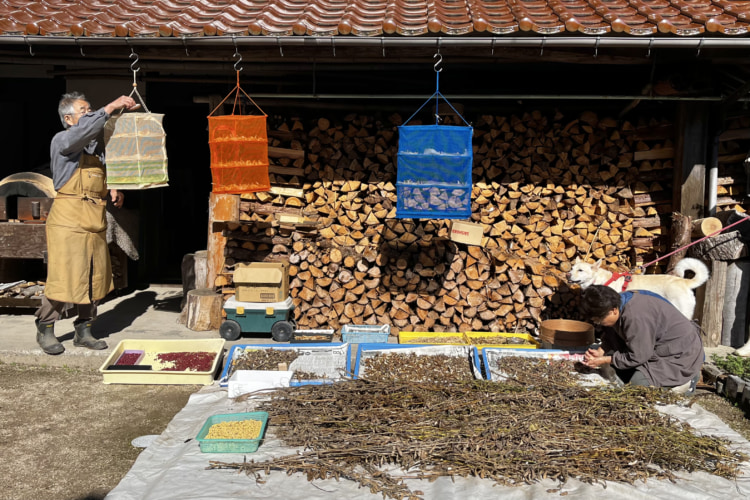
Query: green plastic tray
point(231, 445)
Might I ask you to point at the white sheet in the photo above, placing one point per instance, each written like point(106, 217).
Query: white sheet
point(173, 469)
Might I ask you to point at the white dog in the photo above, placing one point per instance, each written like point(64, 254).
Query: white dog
point(674, 288)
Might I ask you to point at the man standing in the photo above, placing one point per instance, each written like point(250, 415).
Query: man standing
point(646, 339)
point(78, 267)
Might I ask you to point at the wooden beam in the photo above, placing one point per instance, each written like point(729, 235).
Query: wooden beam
point(731, 135)
point(713, 307)
point(277, 169)
point(221, 207)
point(690, 158)
point(654, 154)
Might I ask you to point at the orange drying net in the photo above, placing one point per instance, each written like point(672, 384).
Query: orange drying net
point(239, 150)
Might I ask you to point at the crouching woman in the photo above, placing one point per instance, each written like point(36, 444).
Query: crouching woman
point(645, 339)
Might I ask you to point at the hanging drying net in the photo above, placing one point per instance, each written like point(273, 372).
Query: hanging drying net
point(434, 166)
point(434, 172)
point(135, 151)
point(239, 150)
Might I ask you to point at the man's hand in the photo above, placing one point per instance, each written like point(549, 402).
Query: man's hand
point(122, 102)
point(594, 358)
point(118, 197)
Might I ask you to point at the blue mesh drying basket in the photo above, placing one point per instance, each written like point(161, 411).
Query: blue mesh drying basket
point(434, 172)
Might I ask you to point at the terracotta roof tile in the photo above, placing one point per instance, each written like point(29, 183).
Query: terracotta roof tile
point(372, 17)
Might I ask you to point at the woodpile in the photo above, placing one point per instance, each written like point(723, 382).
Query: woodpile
point(546, 189)
point(734, 144)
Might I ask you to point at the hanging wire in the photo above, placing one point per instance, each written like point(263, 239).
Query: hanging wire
point(437, 95)
point(31, 50)
point(135, 69)
point(80, 47)
point(237, 89)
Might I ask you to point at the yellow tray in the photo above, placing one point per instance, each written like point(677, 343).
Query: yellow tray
point(474, 337)
point(115, 376)
point(435, 338)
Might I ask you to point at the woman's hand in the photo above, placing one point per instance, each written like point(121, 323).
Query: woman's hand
point(118, 197)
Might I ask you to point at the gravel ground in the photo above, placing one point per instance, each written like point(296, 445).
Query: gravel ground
point(67, 436)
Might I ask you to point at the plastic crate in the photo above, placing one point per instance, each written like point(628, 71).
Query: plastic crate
point(123, 375)
point(367, 350)
point(231, 445)
point(436, 338)
point(365, 334)
point(339, 361)
point(490, 355)
point(474, 338)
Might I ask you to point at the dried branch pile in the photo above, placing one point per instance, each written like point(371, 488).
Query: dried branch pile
point(513, 433)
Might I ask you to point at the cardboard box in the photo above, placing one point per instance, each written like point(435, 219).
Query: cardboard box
point(467, 232)
point(262, 282)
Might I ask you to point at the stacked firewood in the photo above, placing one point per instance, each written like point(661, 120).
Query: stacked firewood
point(546, 190)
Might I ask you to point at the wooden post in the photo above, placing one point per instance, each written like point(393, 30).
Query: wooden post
point(713, 306)
point(680, 238)
point(735, 300)
point(221, 207)
point(204, 309)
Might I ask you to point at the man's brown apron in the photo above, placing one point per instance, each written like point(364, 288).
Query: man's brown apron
point(78, 269)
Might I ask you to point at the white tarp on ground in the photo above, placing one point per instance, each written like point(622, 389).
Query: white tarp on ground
point(173, 468)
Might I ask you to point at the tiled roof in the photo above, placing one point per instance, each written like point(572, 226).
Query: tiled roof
point(190, 18)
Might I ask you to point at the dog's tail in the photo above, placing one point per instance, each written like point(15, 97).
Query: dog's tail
point(697, 267)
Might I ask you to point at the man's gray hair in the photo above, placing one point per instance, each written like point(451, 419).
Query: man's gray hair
point(67, 105)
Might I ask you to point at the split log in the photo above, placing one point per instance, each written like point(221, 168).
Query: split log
point(681, 225)
point(704, 227)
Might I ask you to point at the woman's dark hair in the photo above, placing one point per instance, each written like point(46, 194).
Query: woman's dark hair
point(598, 300)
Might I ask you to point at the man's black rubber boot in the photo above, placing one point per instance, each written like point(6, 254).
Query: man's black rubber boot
point(83, 337)
point(45, 337)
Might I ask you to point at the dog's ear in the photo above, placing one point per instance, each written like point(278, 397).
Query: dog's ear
point(578, 260)
point(597, 264)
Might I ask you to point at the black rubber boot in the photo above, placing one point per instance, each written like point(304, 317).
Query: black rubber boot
point(83, 337)
point(45, 337)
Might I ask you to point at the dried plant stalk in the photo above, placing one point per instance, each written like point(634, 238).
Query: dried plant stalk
point(537, 424)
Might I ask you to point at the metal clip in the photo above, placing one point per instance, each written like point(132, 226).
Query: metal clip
point(493, 46)
point(281, 49)
point(31, 51)
point(382, 45)
point(541, 49)
point(184, 44)
point(80, 47)
point(333, 46)
point(650, 43)
point(596, 47)
point(700, 44)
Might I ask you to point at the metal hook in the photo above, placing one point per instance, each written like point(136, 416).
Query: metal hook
point(80, 47)
point(29, 44)
point(700, 44)
point(493, 46)
point(596, 47)
point(281, 49)
point(437, 64)
point(333, 46)
point(236, 54)
point(650, 43)
point(184, 44)
point(541, 49)
point(133, 67)
point(438, 45)
point(382, 45)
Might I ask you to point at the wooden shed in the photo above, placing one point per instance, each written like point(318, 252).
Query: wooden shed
point(593, 123)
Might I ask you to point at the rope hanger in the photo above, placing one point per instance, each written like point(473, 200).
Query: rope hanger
point(237, 88)
point(437, 67)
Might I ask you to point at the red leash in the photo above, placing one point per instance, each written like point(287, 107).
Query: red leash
point(644, 266)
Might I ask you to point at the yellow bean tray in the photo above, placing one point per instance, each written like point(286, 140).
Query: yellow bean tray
point(436, 338)
point(473, 337)
point(162, 377)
